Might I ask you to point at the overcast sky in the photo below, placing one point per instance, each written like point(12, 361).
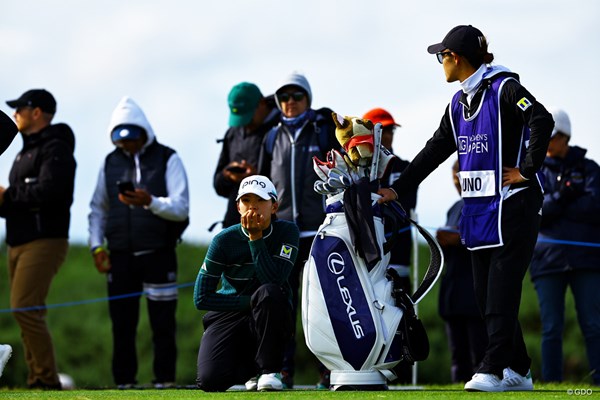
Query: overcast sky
point(179, 59)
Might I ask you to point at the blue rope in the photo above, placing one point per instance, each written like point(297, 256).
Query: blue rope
point(89, 301)
point(184, 285)
point(540, 240)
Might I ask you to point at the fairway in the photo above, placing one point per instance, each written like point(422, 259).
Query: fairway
point(546, 391)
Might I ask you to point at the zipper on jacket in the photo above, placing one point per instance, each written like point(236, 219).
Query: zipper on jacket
point(292, 171)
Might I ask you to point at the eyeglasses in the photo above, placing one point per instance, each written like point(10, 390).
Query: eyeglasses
point(285, 96)
point(440, 55)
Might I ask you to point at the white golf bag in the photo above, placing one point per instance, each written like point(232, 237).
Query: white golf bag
point(355, 321)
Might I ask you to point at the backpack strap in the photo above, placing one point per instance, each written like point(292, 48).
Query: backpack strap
point(270, 140)
point(322, 119)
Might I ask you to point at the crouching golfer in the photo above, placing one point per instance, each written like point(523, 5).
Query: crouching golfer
point(249, 321)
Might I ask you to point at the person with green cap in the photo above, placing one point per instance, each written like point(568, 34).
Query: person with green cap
point(251, 116)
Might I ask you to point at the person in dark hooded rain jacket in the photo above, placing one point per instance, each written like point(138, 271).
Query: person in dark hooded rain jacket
point(571, 213)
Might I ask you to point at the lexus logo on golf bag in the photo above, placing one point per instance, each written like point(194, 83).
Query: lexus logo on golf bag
point(336, 265)
point(335, 262)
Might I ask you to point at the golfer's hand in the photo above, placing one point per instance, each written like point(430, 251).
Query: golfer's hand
point(254, 224)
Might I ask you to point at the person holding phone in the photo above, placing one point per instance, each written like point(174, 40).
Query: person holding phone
point(251, 116)
point(140, 203)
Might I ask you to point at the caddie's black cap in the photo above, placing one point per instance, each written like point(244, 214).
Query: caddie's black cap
point(465, 40)
point(35, 98)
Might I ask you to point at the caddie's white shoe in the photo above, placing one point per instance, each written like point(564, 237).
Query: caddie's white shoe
point(252, 384)
point(271, 381)
point(484, 383)
point(515, 382)
point(5, 353)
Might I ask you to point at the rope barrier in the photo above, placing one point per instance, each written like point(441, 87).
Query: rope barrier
point(89, 301)
point(188, 284)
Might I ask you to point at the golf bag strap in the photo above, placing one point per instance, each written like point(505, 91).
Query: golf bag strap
point(436, 260)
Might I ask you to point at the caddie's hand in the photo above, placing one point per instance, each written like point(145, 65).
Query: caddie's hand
point(511, 175)
point(2, 190)
point(254, 224)
point(102, 261)
point(138, 198)
point(387, 195)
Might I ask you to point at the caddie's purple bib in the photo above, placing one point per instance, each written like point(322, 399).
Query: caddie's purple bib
point(479, 146)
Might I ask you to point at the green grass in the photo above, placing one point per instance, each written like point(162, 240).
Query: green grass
point(83, 342)
point(430, 392)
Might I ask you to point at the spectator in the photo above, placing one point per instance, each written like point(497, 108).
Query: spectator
point(141, 225)
point(286, 158)
point(250, 317)
point(252, 115)
point(400, 255)
point(501, 134)
point(36, 206)
point(465, 330)
point(571, 212)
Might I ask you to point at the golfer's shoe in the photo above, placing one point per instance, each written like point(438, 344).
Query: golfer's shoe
point(484, 383)
point(252, 384)
point(514, 382)
point(5, 353)
point(268, 382)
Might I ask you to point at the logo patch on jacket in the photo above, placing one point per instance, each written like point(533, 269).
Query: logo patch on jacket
point(524, 103)
point(286, 251)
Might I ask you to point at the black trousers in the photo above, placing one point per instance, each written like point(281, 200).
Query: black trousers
point(237, 346)
point(155, 272)
point(498, 278)
point(467, 340)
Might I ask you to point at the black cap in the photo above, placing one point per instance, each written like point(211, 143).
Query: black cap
point(465, 40)
point(35, 98)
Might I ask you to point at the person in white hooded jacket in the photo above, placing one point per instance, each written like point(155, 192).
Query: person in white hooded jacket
point(138, 210)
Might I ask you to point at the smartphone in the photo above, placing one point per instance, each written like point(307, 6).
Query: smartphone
point(126, 186)
point(236, 170)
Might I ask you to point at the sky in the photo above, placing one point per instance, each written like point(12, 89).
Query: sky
point(178, 60)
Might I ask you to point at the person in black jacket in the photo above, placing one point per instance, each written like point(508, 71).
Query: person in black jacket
point(400, 254)
point(571, 213)
point(500, 133)
point(36, 206)
point(251, 116)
